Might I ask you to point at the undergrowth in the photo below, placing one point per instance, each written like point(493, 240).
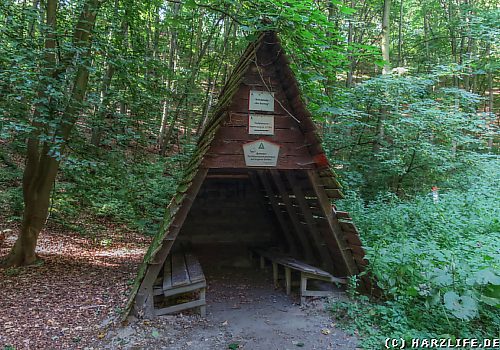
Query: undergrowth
point(116, 185)
point(438, 264)
point(132, 191)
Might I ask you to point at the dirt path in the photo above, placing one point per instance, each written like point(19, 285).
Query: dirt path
point(243, 312)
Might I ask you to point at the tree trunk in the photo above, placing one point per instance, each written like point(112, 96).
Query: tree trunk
point(426, 40)
point(490, 100)
point(195, 66)
point(162, 137)
point(385, 37)
point(400, 35)
point(385, 44)
point(352, 58)
point(102, 111)
point(41, 164)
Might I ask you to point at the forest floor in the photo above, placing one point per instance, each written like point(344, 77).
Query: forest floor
point(73, 298)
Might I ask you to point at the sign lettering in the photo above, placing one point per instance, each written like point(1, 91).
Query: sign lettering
point(261, 153)
point(260, 124)
point(261, 101)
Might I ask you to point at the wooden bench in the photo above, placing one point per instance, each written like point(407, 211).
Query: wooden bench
point(307, 272)
point(182, 274)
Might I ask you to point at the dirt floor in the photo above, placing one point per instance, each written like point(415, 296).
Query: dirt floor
point(73, 299)
point(244, 312)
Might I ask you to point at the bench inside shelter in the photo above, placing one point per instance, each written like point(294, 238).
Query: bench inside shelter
point(307, 272)
point(182, 285)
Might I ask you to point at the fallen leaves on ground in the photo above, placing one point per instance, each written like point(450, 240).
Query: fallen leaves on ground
point(79, 288)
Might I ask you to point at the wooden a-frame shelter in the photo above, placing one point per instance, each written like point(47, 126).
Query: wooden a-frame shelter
point(262, 137)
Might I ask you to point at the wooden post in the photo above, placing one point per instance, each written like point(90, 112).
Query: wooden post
point(303, 288)
point(288, 280)
point(275, 275)
point(203, 308)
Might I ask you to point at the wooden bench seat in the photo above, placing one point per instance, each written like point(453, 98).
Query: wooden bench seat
point(182, 273)
point(307, 272)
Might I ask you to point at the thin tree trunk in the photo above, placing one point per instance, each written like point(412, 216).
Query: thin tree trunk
point(31, 27)
point(426, 39)
point(101, 111)
point(195, 68)
point(162, 135)
point(490, 100)
point(385, 37)
point(385, 44)
point(352, 59)
point(102, 108)
point(400, 34)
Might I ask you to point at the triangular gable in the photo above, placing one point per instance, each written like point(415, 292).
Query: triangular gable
point(262, 67)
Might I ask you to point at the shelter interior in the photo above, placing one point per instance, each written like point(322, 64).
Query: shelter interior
point(240, 210)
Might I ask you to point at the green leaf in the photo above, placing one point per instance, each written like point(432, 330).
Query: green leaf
point(190, 4)
point(463, 307)
point(487, 276)
point(490, 301)
point(347, 10)
point(442, 278)
point(412, 291)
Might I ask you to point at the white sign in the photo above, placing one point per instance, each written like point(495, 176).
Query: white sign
point(261, 153)
point(261, 124)
point(261, 101)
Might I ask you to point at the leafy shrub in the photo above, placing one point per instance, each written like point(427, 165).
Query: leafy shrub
point(11, 196)
point(133, 191)
point(438, 264)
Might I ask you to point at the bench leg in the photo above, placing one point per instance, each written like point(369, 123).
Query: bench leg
point(275, 275)
point(203, 308)
point(303, 288)
point(262, 262)
point(288, 280)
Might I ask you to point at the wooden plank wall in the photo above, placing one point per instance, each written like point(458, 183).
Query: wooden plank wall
point(226, 150)
point(227, 211)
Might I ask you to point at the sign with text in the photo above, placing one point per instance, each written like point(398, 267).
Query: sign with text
point(261, 124)
point(261, 101)
point(261, 153)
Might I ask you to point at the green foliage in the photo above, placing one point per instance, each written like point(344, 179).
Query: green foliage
point(11, 199)
point(438, 264)
point(134, 191)
point(429, 133)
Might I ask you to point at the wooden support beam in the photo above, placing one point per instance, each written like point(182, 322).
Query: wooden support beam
point(279, 215)
point(326, 259)
point(291, 213)
point(275, 275)
point(288, 280)
point(333, 223)
point(179, 307)
point(144, 299)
